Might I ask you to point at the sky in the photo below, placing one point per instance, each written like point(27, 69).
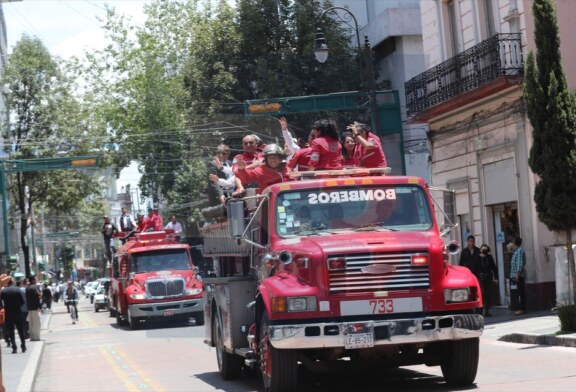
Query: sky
point(67, 28)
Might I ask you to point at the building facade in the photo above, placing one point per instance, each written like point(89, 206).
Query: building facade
point(470, 95)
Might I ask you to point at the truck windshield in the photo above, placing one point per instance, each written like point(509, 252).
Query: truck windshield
point(378, 208)
point(160, 260)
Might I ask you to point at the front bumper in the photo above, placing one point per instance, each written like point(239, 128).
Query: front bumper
point(386, 332)
point(163, 309)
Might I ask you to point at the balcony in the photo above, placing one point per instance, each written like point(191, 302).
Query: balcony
point(490, 66)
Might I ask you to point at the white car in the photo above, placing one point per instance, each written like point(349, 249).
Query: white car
point(89, 288)
point(100, 299)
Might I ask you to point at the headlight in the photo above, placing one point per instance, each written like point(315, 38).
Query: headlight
point(194, 291)
point(301, 304)
point(456, 295)
point(138, 296)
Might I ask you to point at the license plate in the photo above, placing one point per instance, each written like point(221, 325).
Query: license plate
point(380, 306)
point(170, 312)
point(359, 335)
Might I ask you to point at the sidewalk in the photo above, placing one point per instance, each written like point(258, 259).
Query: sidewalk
point(19, 370)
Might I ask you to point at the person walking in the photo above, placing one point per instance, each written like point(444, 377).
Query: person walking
point(518, 278)
point(22, 286)
point(488, 275)
point(13, 300)
point(33, 297)
point(47, 296)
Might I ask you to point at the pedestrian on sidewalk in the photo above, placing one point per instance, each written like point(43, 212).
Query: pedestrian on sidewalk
point(33, 296)
point(47, 296)
point(12, 299)
point(518, 278)
point(488, 275)
point(22, 286)
point(470, 256)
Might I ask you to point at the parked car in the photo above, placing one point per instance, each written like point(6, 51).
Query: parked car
point(100, 299)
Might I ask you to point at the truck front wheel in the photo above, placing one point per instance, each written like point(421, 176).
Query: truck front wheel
point(459, 362)
point(229, 365)
point(279, 367)
point(199, 318)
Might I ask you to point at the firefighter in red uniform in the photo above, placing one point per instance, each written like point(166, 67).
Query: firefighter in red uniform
point(272, 172)
point(368, 148)
point(301, 159)
point(326, 148)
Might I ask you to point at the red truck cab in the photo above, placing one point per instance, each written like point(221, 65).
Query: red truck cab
point(153, 277)
point(339, 265)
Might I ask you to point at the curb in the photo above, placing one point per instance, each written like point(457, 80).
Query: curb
point(543, 340)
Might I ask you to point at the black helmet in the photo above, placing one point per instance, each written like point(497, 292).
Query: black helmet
point(273, 149)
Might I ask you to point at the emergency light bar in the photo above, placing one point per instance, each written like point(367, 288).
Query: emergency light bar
point(352, 172)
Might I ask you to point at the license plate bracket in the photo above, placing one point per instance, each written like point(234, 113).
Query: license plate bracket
point(358, 335)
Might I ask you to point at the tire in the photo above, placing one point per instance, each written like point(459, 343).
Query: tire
point(134, 322)
point(229, 365)
point(199, 318)
point(96, 309)
point(459, 363)
point(112, 312)
point(119, 320)
point(279, 368)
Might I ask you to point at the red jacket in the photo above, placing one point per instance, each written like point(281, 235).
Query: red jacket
point(155, 222)
point(373, 157)
point(326, 153)
point(248, 158)
point(301, 158)
point(141, 226)
point(263, 176)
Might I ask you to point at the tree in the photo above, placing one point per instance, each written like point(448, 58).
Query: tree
point(44, 121)
point(552, 113)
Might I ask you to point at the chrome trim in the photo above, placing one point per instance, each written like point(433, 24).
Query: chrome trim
point(172, 287)
point(194, 306)
point(403, 331)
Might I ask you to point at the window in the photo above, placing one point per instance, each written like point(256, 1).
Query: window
point(454, 30)
point(486, 14)
point(377, 208)
point(160, 260)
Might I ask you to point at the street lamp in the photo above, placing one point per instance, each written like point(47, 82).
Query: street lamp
point(321, 54)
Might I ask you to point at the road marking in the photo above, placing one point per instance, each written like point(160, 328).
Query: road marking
point(87, 320)
point(131, 375)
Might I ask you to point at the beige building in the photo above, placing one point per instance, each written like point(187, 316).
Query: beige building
point(470, 95)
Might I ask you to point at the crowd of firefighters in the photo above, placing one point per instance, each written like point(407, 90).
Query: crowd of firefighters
point(264, 165)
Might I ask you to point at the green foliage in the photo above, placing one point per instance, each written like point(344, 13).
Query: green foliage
point(552, 113)
point(45, 121)
point(567, 316)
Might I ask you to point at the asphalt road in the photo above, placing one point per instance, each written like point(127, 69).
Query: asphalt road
point(96, 355)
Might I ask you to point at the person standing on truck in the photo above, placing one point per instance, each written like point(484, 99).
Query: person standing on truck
point(176, 226)
point(251, 156)
point(326, 148)
point(289, 141)
point(126, 224)
point(108, 231)
point(141, 223)
point(222, 181)
point(153, 222)
point(272, 172)
point(349, 157)
point(369, 150)
point(300, 161)
point(470, 256)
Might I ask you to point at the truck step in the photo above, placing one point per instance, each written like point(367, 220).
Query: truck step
point(251, 363)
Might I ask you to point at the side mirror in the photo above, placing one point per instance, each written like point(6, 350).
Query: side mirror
point(236, 218)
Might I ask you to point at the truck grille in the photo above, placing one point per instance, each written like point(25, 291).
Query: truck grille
point(165, 287)
point(354, 280)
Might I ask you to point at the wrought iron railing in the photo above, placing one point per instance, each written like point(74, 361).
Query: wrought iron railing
point(498, 56)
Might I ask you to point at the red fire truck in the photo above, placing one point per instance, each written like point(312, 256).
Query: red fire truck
point(343, 267)
point(152, 276)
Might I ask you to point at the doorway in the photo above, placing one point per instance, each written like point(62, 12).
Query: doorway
point(506, 228)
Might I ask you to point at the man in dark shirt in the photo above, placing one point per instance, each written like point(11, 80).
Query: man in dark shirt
point(34, 308)
point(13, 300)
point(470, 256)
